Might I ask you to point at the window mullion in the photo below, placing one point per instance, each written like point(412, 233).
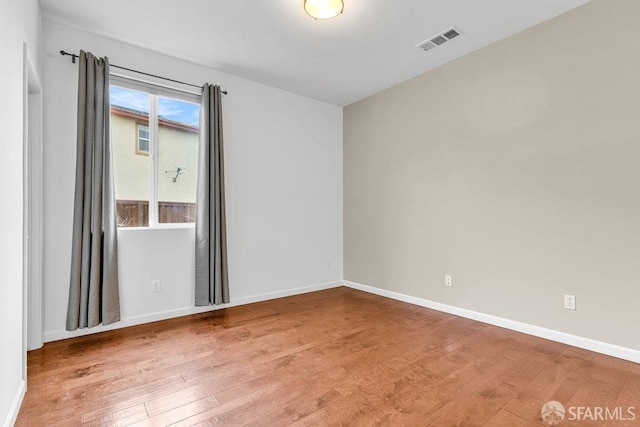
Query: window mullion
point(153, 156)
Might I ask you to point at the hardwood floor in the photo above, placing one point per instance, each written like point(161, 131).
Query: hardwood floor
point(338, 356)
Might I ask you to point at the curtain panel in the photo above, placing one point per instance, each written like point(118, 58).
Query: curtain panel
point(93, 291)
point(211, 274)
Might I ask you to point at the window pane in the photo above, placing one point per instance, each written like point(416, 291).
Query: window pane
point(129, 118)
point(143, 146)
point(178, 130)
point(143, 139)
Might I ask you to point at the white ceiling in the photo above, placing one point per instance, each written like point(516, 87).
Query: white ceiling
point(368, 48)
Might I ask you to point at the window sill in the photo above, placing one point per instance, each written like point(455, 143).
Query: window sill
point(159, 227)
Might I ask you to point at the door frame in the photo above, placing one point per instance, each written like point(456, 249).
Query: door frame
point(33, 186)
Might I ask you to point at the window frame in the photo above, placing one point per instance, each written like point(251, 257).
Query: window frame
point(154, 91)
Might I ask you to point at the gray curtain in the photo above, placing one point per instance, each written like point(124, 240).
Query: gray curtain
point(93, 291)
point(212, 280)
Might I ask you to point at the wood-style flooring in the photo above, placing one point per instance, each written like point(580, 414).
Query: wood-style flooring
point(332, 357)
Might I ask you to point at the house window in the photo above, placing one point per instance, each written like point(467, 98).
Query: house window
point(155, 183)
point(142, 144)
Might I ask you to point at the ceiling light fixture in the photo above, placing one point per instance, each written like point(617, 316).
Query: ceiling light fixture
point(323, 9)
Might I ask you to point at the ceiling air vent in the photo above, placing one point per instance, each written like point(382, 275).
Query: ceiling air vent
point(439, 39)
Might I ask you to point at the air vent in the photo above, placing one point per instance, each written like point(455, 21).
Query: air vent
point(427, 46)
point(451, 34)
point(439, 39)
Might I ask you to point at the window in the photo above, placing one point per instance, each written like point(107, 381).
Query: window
point(155, 183)
point(142, 144)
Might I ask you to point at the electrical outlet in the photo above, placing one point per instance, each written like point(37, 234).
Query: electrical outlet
point(327, 264)
point(570, 302)
point(155, 284)
point(448, 281)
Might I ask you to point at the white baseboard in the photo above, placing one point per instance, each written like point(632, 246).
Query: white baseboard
point(186, 311)
point(538, 331)
point(550, 334)
point(15, 405)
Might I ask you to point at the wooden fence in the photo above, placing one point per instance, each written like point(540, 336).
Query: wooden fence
point(135, 213)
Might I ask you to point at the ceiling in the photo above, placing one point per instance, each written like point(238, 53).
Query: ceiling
point(368, 48)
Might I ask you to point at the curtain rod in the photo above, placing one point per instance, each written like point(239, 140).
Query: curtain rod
point(74, 56)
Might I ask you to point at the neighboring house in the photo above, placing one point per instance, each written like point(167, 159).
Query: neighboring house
point(177, 167)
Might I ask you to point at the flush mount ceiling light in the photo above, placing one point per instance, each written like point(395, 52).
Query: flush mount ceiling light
point(323, 9)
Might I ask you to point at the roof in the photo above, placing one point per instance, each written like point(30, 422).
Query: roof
point(143, 116)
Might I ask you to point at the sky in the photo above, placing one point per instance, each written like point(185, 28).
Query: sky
point(172, 109)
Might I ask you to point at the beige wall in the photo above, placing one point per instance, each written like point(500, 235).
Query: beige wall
point(131, 170)
point(516, 169)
